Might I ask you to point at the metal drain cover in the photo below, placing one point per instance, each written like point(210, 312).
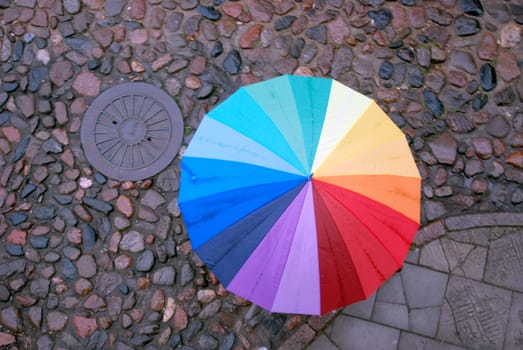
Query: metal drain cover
point(132, 131)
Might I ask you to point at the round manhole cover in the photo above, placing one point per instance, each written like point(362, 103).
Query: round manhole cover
point(132, 131)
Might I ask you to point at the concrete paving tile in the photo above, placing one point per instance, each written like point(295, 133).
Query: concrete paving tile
point(322, 343)
point(474, 314)
point(361, 309)
point(505, 262)
point(474, 265)
point(479, 236)
point(432, 256)
point(409, 341)
point(514, 334)
point(455, 252)
point(424, 321)
point(350, 333)
point(394, 315)
point(392, 291)
point(423, 287)
point(413, 256)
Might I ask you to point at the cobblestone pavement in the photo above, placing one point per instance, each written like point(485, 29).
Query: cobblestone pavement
point(94, 262)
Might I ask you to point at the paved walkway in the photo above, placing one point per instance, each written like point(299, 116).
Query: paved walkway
point(462, 290)
point(87, 261)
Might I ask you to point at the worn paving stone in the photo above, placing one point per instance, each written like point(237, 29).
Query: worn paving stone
point(504, 263)
point(346, 332)
point(474, 314)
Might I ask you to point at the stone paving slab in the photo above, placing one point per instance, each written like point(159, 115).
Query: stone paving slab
point(460, 291)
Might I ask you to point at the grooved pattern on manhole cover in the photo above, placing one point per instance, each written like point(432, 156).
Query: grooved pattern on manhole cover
point(132, 131)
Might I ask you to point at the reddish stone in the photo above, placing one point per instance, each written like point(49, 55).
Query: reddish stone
point(338, 30)
point(299, 24)
point(82, 286)
point(233, 10)
point(125, 206)
point(180, 318)
point(251, 36)
point(483, 147)
point(417, 16)
point(157, 300)
point(137, 9)
point(517, 139)
point(6, 339)
point(84, 326)
point(78, 107)
point(399, 18)
point(123, 67)
point(198, 65)
point(261, 10)
point(444, 148)
point(161, 62)
point(104, 36)
point(17, 237)
point(303, 71)
point(193, 82)
point(138, 36)
point(515, 159)
point(456, 78)
point(88, 84)
point(487, 47)
point(60, 72)
point(40, 19)
point(507, 67)
point(95, 302)
point(479, 185)
point(388, 95)
point(11, 134)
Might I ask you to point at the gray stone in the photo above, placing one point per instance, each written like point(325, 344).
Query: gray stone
point(505, 262)
point(11, 318)
point(362, 309)
point(474, 314)
point(463, 60)
point(45, 343)
point(40, 287)
point(88, 237)
point(347, 333)
point(114, 7)
point(86, 266)
point(412, 341)
point(152, 199)
point(186, 274)
point(72, 6)
point(98, 205)
point(434, 210)
point(423, 287)
point(145, 261)
point(207, 342)
point(164, 276)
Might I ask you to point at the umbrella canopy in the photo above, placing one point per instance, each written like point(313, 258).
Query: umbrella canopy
point(300, 194)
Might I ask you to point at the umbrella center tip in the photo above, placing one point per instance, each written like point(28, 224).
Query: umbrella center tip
point(310, 176)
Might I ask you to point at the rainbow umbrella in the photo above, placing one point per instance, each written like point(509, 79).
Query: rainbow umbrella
point(300, 194)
